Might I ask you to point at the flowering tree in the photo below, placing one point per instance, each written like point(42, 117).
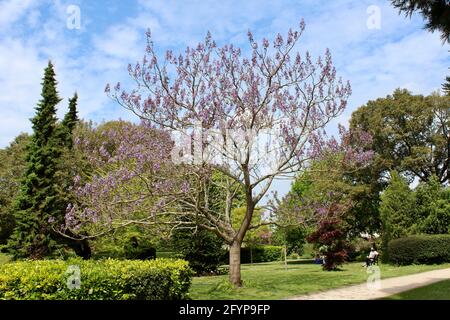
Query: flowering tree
point(250, 118)
point(127, 171)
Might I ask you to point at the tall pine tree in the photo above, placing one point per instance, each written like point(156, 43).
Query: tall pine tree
point(446, 86)
point(69, 122)
point(66, 172)
point(38, 201)
point(396, 211)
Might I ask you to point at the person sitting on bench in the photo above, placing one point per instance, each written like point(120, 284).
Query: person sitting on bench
point(372, 257)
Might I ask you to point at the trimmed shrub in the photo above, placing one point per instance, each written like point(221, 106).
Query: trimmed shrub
point(159, 279)
point(420, 249)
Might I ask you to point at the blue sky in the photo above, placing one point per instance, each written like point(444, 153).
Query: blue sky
point(375, 60)
point(400, 53)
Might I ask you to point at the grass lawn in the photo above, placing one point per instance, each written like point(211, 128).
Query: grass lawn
point(436, 291)
point(272, 281)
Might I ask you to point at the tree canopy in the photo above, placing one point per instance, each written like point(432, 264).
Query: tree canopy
point(410, 134)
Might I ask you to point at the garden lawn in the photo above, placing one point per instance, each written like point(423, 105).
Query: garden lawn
point(436, 291)
point(272, 281)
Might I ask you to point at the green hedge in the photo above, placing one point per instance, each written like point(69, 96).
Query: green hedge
point(159, 279)
point(426, 249)
point(259, 254)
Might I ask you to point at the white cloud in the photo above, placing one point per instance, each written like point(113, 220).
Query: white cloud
point(13, 10)
point(400, 54)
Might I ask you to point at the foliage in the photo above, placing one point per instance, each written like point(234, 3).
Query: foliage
point(259, 253)
point(432, 208)
point(127, 169)
point(410, 135)
point(446, 86)
point(209, 92)
point(435, 12)
point(405, 212)
point(137, 247)
point(426, 249)
point(255, 236)
point(12, 167)
point(158, 279)
point(396, 210)
point(201, 248)
point(330, 238)
point(38, 201)
point(264, 253)
point(335, 176)
point(325, 195)
point(295, 239)
point(69, 123)
point(4, 258)
point(359, 249)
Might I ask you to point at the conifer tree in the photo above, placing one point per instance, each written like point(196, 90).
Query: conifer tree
point(65, 174)
point(38, 201)
point(396, 211)
point(446, 86)
point(70, 121)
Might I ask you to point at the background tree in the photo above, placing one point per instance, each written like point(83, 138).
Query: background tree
point(437, 15)
point(69, 165)
point(410, 134)
point(446, 86)
point(69, 122)
point(38, 200)
point(331, 239)
point(435, 12)
point(12, 167)
point(396, 210)
point(203, 249)
point(432, 208)
point(217, 89)
point(326, 196)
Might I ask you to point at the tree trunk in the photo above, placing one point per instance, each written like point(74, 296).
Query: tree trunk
point(235, 264)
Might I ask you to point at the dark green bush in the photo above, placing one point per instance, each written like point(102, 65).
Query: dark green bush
point(202, 249)
point(136, 248)
point(159, 279)
point(426, 249)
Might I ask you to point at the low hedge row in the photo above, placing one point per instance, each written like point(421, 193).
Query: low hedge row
point(259, 254)
point(426, 249)
point(160, 279)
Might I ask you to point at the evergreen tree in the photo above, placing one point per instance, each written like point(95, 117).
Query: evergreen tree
point(446, 86)
point(69, 122)
point(432, 208)
point(38, 201)
point(435, 12)
point(397, 210)
point(12, 168)
point(67, 169)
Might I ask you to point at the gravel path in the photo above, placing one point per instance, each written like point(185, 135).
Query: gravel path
point(383, 288)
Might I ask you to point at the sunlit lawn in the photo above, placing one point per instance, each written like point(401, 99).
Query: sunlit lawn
point(272, 281)
point(436, 291)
